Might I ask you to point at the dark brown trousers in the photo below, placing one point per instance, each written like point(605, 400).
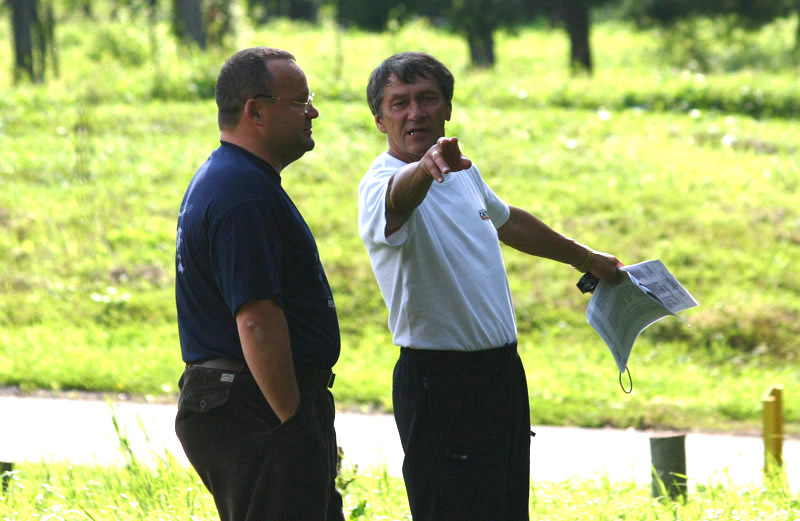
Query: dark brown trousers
point(256, 468)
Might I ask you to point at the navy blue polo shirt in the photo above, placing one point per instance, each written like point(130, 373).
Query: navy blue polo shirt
point(240, 238)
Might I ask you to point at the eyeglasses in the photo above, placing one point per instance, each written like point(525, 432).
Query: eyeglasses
point(306, 104)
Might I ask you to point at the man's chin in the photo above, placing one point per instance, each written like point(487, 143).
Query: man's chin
point(411, 154)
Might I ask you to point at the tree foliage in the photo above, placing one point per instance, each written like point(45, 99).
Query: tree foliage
point(205, 23)
point(262, 10)
point(477, 20)
point(681, 20)
point(372, 15)
point(749, 13)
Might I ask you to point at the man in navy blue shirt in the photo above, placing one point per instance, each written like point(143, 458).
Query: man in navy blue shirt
point(257, 321)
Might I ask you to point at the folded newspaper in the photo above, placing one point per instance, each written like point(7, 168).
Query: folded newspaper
point(620, 312)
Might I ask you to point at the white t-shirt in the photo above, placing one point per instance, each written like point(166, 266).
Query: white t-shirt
point(442, 274)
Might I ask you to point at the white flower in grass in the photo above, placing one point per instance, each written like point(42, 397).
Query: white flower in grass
point(569, 143)
point(728, 140)
point(519, 93)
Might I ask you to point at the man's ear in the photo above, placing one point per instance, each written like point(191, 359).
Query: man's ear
point(252, 112)
point(449, 112)
point(379, 123)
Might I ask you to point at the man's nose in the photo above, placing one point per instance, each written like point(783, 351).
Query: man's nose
point(415, 110)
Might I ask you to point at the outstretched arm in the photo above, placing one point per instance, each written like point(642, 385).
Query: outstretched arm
point(409, 185)
point(530, 235)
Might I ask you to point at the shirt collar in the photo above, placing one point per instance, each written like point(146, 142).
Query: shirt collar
point(260, 163)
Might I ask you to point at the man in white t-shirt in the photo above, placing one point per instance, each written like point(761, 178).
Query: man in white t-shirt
point(431, 227)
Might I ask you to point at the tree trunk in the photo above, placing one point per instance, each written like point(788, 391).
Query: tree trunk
point(481, 46)
point(188, 21)
point(49, 37)
point(85, 7)
point(577, 19)
point(303, 10)
point(152, 31)
point(797, 33)
point(23, 15)
point(219, 22)
point(258, 10)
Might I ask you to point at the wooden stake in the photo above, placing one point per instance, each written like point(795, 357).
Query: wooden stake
point(773, 427)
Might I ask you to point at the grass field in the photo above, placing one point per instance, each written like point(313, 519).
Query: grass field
point(643, 160)
point(169, 491)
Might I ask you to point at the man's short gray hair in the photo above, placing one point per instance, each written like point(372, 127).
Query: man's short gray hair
point(407, 67)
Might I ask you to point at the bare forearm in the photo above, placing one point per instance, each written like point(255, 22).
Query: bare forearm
point(264, 336)
point(530, 235)
point(408, 188)
point(409, 185)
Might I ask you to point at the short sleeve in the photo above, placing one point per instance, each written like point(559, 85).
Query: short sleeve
point(372, 208)
point(498, 210)
point(246, 252)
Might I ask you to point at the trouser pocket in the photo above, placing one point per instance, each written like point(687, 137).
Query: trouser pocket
point(203, 390)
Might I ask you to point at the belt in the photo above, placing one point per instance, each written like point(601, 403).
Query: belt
point(305, 374)
point(223, 364)
point(507, 351)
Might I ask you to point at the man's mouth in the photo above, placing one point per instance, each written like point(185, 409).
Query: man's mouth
point(414, 131)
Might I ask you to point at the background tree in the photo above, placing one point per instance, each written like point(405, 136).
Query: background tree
point(477, 21)
point(33, 25)
point(752, 14)
point(576, 18)
point(85, 7)
point(187, 22)
point(218, 21)
point(678, 19)
point(369, 15)
point(262, 10)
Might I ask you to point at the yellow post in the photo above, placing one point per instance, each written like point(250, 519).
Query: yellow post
point(773, 427)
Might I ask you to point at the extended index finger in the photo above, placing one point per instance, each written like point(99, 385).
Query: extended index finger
point(451, 153)
point(449, 147)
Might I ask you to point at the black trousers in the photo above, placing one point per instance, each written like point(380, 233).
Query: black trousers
point(464, 423)
point(256, 468)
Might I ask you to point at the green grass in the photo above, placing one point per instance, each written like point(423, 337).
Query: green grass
point(169, 491)
point(161, 488)
point(643, 160)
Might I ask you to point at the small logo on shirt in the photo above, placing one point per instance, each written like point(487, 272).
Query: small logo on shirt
point(484, 214)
